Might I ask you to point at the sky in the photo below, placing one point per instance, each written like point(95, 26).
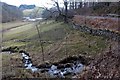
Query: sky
point(39, 3)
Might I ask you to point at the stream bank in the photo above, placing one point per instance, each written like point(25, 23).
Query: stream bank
point(68, 66)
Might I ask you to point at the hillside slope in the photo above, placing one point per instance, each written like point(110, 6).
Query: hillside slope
point(35, 12)
point(98, 22)
point(105, 65)
point(10, 12)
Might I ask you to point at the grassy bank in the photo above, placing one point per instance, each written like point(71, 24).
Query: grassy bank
point(59, 40)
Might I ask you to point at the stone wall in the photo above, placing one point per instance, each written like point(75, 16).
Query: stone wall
point(98, 32)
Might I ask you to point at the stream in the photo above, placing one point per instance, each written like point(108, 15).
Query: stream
point(54, 70)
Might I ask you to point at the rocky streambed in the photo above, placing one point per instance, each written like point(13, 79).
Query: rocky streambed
point(68, 66)
point(71, 65)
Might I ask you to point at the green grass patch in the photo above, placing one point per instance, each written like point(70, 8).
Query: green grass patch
point(81, 43)
point(49, 31)
point(74, 42)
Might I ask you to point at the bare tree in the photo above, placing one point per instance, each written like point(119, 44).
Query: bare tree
point(60, 12)
point(76, 5)
point(41, 43)
point(72, 5)
point(80, 5)
point(66, 11)
point(58, 7)
point(40, 40)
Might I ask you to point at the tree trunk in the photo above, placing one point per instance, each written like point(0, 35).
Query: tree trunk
point(80, 5)
point(75, 5)
point(72, 5)
point(58, 8)
point(65, 18)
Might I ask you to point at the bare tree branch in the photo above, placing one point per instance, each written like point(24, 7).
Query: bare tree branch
point(58, 7)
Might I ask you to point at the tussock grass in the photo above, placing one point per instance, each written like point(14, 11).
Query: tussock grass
point(58, 37)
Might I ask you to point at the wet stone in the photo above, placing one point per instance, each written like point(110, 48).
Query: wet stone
point(67, 66)
point(12, 49)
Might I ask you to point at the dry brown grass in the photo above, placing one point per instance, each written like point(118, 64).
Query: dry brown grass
point(98, 22)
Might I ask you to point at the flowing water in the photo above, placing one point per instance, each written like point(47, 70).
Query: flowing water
point(54, 70)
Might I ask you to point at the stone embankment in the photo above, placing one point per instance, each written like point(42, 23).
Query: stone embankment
point(97, 29)
point(99, 32)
